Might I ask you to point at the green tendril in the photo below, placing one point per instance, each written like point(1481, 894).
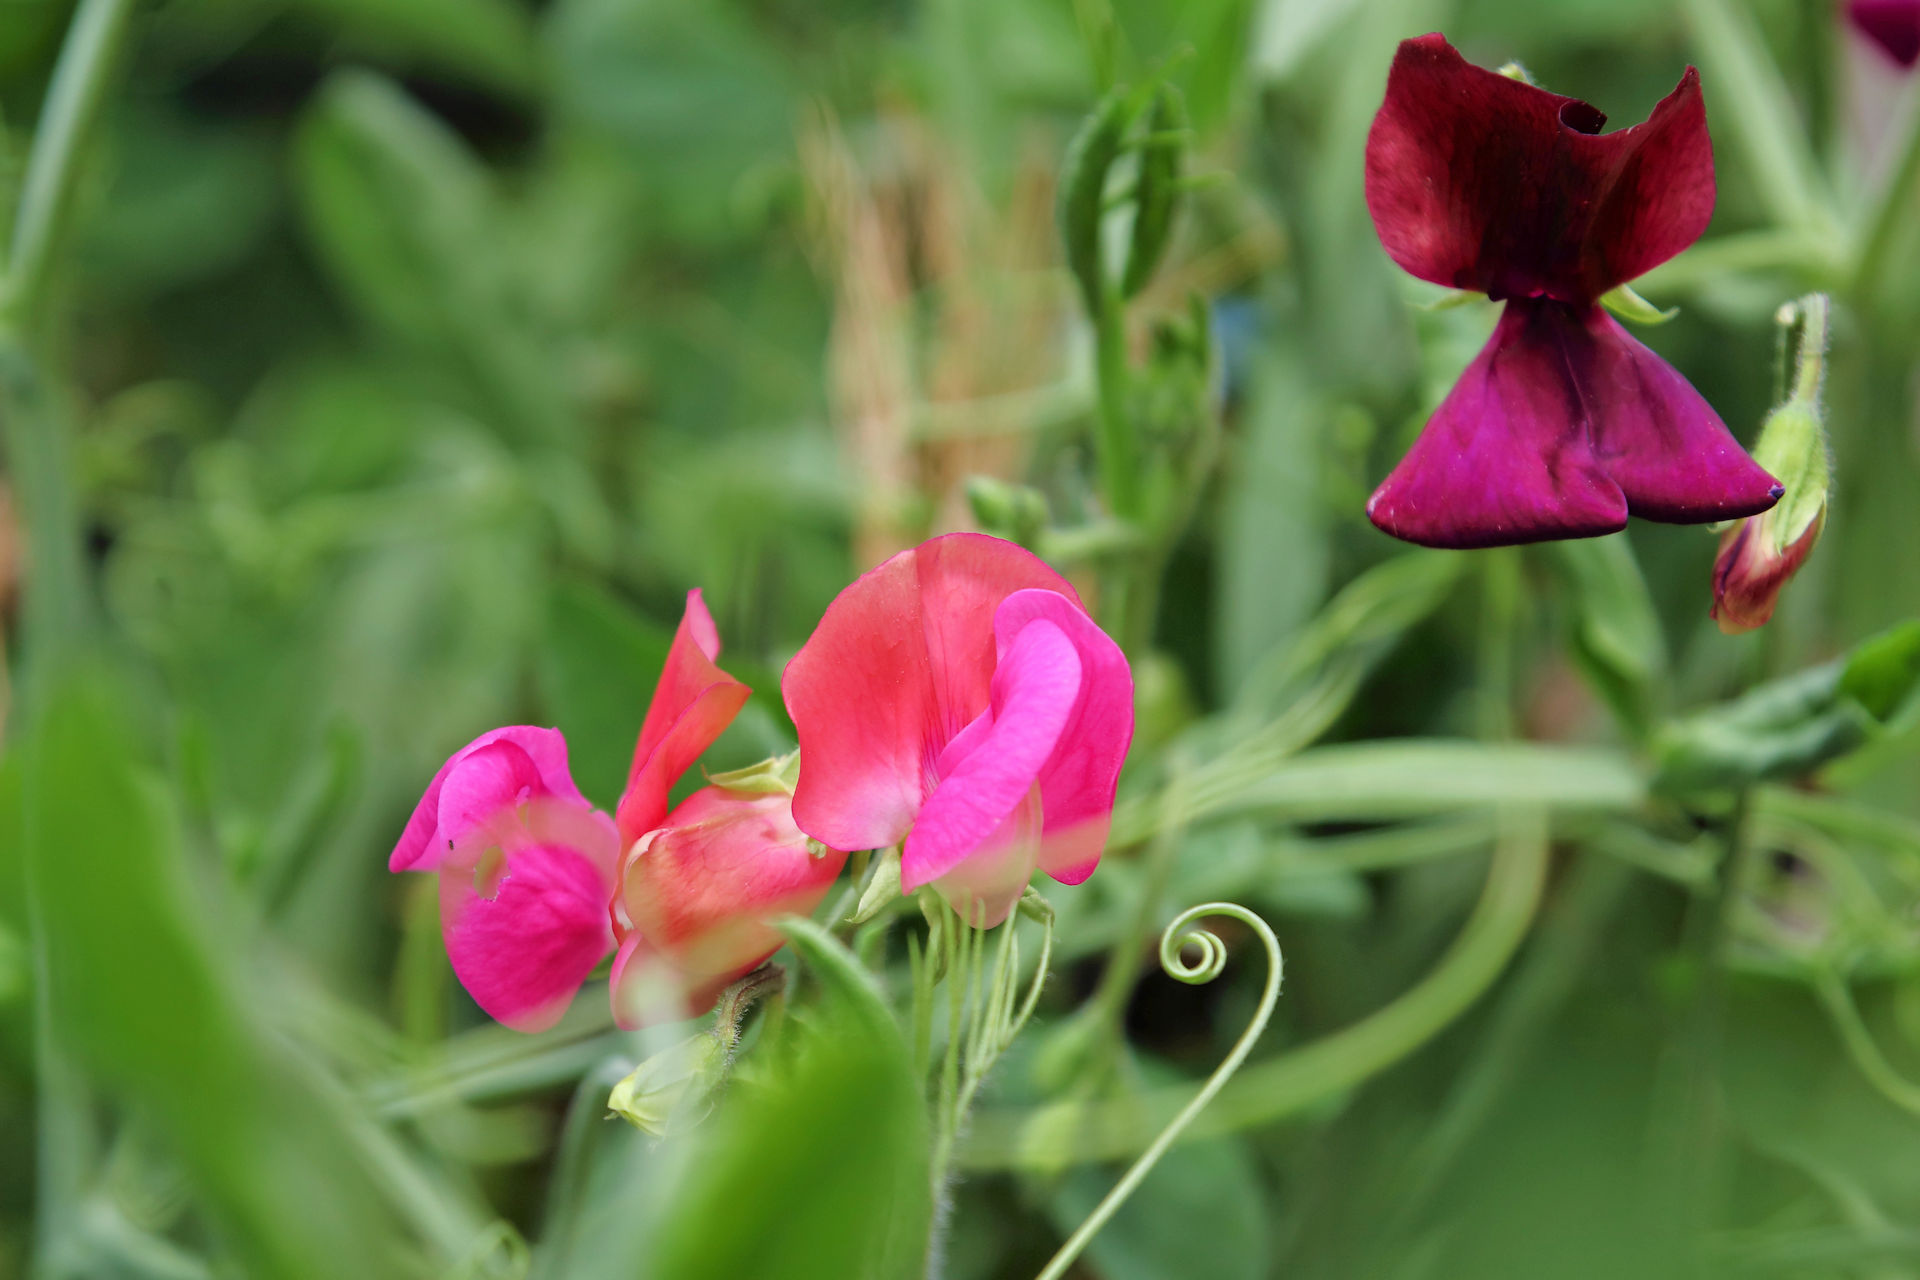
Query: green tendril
point(1212, 959)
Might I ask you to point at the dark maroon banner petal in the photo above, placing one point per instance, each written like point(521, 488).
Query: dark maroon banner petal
point(1479, 181)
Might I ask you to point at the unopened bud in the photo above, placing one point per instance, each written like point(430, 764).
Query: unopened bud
point(673, 1088)
point(1011, 511)
point(1759, 554)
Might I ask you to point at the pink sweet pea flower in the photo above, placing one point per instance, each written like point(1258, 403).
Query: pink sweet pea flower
point(1564, 424)
point(526, 870)
point(959, 698)
point(1893, 25)
point(533, 884)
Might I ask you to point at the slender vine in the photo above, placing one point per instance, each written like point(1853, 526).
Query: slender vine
point(1213, 958)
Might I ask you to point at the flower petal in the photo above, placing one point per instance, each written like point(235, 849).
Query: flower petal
point(522, 952)
point(702, 886)
point(1507, 457)
point(693, 702)
point(1077, 785)
point(1482, 182)
point(1034, 692)
point(900, 663)
point(646, 989)
point(496, 769)
point(984, 886)
point(1749, 572)
point(1660, 441)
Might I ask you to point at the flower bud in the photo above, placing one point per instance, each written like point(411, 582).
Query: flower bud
point(1760, 553)
point(673, 1087)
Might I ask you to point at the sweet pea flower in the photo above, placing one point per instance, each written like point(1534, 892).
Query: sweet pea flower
point(1893, 25)
point(537, 886)
point(958, 698)
point(1564, 424)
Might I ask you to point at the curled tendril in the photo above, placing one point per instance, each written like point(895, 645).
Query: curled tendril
point(1212, 959)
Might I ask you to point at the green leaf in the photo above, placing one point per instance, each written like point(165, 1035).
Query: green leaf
point(407, 219)
point(1628, 305)
point(141, 995)
point(489, 40)
point(817, 1168)
point(1790, 727)
point(1882, 674)
point(1615, 632)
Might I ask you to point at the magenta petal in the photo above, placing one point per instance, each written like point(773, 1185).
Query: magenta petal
point(522, 953)
point(497, 769)
point(1035, 689)
point(1077, 786)
point(1660, 441)
point(1482, 182)
point(1561, 427)
point(1507, 457)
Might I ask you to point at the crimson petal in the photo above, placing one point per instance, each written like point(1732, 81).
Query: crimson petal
point(693, 703)
point(1481, 182)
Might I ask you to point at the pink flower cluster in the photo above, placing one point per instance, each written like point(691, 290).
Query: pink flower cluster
point(957, 700)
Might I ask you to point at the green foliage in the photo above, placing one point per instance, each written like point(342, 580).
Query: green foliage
point(377, 372)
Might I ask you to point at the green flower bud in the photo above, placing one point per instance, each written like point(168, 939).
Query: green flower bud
point(1758, 555)
point(673, 1088)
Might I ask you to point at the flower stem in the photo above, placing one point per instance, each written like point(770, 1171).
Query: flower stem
point(1892, 206)
point(1837, 999)
point(1763, 118)
point(38, 448)
point(74, 98)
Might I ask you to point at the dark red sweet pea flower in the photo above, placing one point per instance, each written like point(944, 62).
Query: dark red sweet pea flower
point(1564, 424)
point(1894, 25)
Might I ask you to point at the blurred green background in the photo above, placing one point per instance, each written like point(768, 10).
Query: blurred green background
point(418, 355)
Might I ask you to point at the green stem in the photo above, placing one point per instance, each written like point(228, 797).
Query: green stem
point(1500, 608)
point(1892, 206)
point(1762, 115)
point(55, 610)
point(1074, 1131)
point(1561, 956)
point(1106, 1010)
point(37, 442)
point(1837, 999)
point(1684, 1180)
point(1119, 464)
point(1212, 961)
point(74, 98)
